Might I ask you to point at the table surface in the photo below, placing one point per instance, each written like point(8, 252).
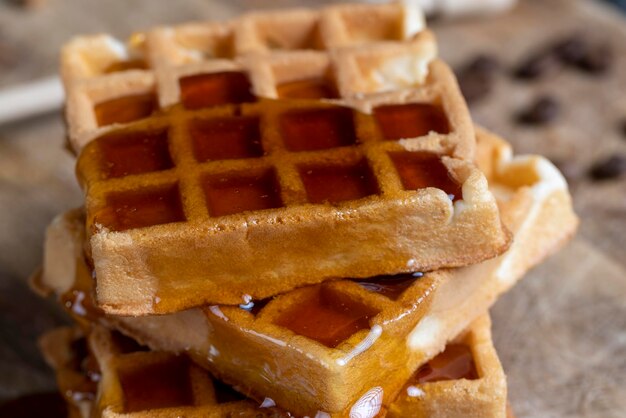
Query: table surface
point(561, 333)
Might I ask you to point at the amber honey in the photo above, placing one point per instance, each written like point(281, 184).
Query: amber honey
point(123, 154)
point(315, 129)
point(389, 286)
point(410, 120)
point(228, 194)
point(79, 299)
point(418, 170)
point(327, 317)
point(125, 109)
point(127, 65)
point(314, 88)
point(207, 90)
point(138, 209)
point(226, 138)
point(158, 385)
point(334, 184)
point(455, 362)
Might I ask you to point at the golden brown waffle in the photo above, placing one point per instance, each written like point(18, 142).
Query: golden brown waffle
point(184, 159)
point(465, 380)
point(77, 372)
point(169, 232)
point(334, 53)
point(401, 321)
point(130, 381)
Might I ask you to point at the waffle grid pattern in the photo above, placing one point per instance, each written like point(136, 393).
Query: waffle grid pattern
point(194, 152)
point(151, 71)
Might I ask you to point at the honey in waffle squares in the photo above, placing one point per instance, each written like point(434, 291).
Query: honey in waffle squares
point(402, 320)
point(175, 222)
point(301, 53)
point(466, 380)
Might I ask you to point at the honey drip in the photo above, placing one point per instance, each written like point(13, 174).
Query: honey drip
point(227, 195)
point(410, 120)
point(418, 170)
point(207, 90)
point(315, 88)
point(157, 385)
point(336, 184)
point(327, 317)
point(455, 362)
point(119, 66)
point(125, 109)
point(309, 130)
point(126, 210)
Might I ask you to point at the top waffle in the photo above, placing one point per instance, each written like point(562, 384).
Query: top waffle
point(222, 194)
point(336, 53)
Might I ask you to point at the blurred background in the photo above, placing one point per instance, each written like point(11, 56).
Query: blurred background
point(548, 75)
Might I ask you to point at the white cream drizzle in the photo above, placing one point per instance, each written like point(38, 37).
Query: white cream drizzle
point(365, 344)
point(415, 392)
point(369, 404)
point(215, 310)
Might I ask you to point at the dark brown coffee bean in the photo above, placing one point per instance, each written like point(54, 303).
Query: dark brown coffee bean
point(571, 49)
point(476, 77)
point(536, 66)
point(483, 64)
point(543, 110)
point(598, 59)
point(475, 86)
point(609, 168)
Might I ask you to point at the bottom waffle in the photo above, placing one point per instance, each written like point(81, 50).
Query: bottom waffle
point(302, 372)
point(113, 376)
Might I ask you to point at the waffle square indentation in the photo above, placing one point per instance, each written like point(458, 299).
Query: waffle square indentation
point(214, 89)
point(156, 385)
point(410, 120)
point(231, 193)
point(141, 208)
point(454, 363)
point(226, 138)
point(326, 316)
point(316, 129)
point(126, 65)
point(127, 153)
point(312, 88)
point(419, 170)
point(338, 183)
point(125, 109)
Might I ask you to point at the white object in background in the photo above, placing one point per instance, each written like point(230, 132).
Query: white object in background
point(32, 99)
point(457, 8)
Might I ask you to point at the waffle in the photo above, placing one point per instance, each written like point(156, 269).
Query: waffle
point(298, 53)
point(203, 142)
point(466, 379)
point(256, 343)
point(127, 380)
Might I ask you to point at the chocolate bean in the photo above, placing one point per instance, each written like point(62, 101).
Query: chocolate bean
point(542, 111)
point(476, 77)
point(598, 59)
point(537, 65)
point(609, 168)
point(571, 49)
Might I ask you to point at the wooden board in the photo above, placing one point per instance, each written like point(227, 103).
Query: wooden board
point(561, 333)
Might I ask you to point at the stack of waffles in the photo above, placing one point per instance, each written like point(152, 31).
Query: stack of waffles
point(287, 214)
